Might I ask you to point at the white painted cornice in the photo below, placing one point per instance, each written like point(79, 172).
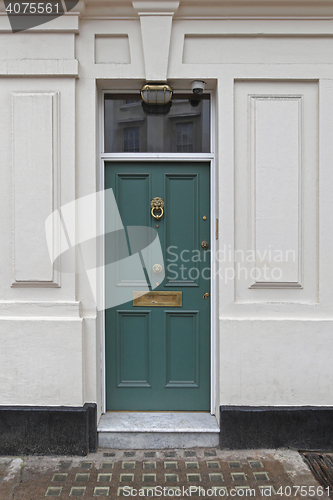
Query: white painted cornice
point(254, 8)
point(68, 23)
point(209, 9)
point(155, 7)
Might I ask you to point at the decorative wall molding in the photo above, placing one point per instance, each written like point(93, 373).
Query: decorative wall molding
point(156, 22)
point(217, 9)
point(276, 192)
point(275, 164)
point(155, 7)
point(35, 188)
point(67, 23)
point(260, 26)
point(112, 49)
point(40, 67)
point(264, 48)
point(275, 284)
point(264, 8)
point(50, 309)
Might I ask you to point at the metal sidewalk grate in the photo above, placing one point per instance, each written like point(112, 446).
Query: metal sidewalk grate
point(321, 465)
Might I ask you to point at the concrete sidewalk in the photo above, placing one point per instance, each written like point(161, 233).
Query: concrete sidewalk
point(203, 473)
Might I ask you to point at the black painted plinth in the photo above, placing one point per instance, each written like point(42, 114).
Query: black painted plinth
point(48, 430)
point(302, 428)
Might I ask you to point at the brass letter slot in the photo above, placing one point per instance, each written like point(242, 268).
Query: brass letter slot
point(157, 299)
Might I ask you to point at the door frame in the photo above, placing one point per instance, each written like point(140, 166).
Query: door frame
point(166, 157)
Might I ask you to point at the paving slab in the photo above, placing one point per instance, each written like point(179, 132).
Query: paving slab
point(11, 470)
point(173, 474)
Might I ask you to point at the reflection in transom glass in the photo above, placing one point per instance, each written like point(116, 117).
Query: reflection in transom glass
point(184, 137)
point(128, 129)
point(131, 139)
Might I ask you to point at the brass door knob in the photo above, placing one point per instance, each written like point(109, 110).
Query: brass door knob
point(157, 268)
point(205, 244)
point(205, 295)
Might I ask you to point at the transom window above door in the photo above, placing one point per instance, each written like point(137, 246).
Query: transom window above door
point(128, 129)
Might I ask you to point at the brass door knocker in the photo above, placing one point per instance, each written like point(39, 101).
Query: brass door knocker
point(157, 205)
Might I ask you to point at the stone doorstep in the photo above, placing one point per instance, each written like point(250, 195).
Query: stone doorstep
point(142, 430)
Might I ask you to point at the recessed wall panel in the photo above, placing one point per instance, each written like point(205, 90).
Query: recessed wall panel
point(226, 49)
point(35, 184)
point(276, 154)
point(275, 257)
point(112, 49)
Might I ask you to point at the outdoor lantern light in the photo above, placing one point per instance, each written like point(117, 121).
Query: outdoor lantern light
point(156, 94)
point(156, 99)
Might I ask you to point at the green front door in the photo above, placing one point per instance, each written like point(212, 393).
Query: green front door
point(158, 356)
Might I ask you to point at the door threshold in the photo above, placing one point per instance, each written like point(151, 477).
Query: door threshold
point(157, 430)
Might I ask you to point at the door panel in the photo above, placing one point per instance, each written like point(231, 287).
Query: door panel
point(133, 342)
point(158, 358)
point(129, 187)
point(182, 335)
point(182, 199)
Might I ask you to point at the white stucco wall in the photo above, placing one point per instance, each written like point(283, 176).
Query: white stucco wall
point(273, 343)
point(41, 361)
